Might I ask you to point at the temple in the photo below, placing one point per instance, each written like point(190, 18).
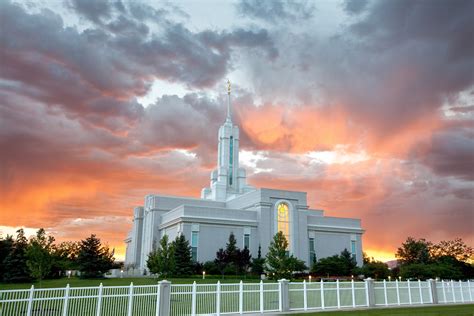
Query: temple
point(228, 205)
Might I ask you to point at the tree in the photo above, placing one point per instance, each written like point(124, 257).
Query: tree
point(243, 260)
point(258, 263)
point(221, 261)
point(453, 248)
point(374, 269)
point(15, 266)
point(232, 254)
point(65, 257)
point(279, 264)
point(182, 257)
point(414, 251)
point(39, 255)
point(161, 261)
point(6, 246)
point(94, 259)
point(343, 264)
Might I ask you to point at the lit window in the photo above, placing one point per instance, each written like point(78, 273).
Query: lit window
point(194, 244)
point(283, 219)
point(312, 252)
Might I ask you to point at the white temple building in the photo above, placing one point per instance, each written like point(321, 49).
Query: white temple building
point(228, 205)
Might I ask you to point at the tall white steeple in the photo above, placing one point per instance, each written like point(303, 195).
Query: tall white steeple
point(227, 180)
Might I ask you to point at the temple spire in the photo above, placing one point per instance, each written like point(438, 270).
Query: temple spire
point(229, 113)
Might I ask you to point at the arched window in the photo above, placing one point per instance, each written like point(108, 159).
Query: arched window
point(283, 220)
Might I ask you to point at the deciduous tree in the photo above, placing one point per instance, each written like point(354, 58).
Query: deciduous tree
point(162, 261)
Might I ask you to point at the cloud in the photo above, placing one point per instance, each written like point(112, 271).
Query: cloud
point(276, 11)
point(366, 117)
point(355, 6)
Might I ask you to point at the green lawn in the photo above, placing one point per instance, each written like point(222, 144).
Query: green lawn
point(452, 310)
point(76, 282)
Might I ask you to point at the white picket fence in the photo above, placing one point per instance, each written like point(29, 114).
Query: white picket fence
point(166, 299)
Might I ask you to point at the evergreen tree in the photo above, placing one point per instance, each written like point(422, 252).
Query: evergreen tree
point(94, 259)
point(232, 254)
point(15, 266)
point(243, 260)
point(6, 246)
point(39, 255)
point(182, 257)
point(258, 263)
point(161, 261)
point(337, 265)
point(221, 261)
point(279, 264)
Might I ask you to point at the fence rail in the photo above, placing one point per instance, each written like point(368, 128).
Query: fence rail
point(166, 299)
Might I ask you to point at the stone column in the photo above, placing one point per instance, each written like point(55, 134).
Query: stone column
point(284, 295)
point(370, 292)
point(434, 291)
point(164, 299)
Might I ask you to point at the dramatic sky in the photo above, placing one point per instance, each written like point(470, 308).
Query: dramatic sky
point(366, 105)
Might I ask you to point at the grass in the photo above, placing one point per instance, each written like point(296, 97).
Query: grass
point(452, 310)
point(77, 282)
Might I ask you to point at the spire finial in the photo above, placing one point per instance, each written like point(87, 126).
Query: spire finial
point(229, 115)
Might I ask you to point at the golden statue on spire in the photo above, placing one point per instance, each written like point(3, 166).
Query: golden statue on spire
point(228, 86)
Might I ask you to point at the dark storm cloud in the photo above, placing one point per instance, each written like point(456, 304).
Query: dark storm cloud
point(355, 6)
point(98, 71)
point(451, 153)
point(277, 11)
point(93, 10)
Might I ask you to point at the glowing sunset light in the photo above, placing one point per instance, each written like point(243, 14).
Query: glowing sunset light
point(367, 107)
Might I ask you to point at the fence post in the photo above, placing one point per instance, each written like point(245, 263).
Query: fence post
point(433, 291)
point(218, 298)
point(261, 296)
point(452, 291)
point(370, 292)
point(130, 300)
point(193, 300)
point(398, 292)
point(385, 292)
point(460, 289)
point(321, 289)
point(241, 297)
point(157, 307)
point(469, 288)
point(163, 303)
point(353, 294)
point(409, 292)
point(421, 292)
point(66, 299)
point(99, 300)
point(164, 292)
point(30, 300)
point(338, 295)
point(284, 295)
point(305, 296)
point(444, 292)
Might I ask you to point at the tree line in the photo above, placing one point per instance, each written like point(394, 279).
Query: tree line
point(39, 257)
point(417, 259)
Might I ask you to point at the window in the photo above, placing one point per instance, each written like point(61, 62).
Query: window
point(231, 159)
point(247, 241)
point(194, 244)
point(353, 248)
point(312, 252)
point(283, 219)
